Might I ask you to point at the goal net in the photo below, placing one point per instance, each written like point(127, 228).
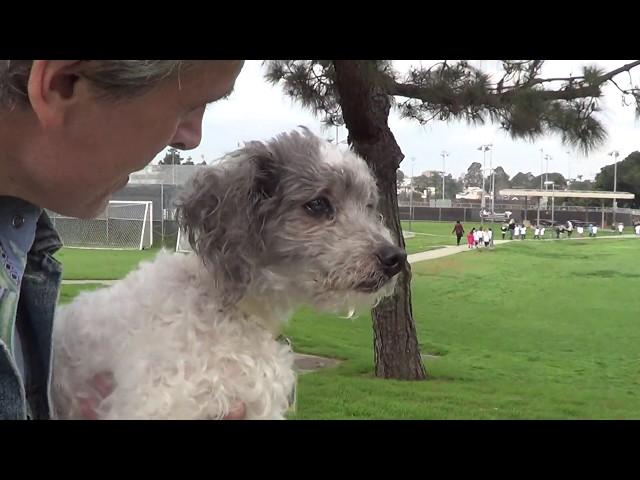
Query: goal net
point(182, 243)
point(126, 225)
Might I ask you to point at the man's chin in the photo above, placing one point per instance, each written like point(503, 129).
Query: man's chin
point(86, 210)
point(96, 209)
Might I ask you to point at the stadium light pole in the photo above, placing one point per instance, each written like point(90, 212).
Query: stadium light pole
point(615, 155)
point(540, 197)
point(538, 216)
point(493, 182)
point(541, 166)
point(162, 211)
point(444, 154)
point(411, 196)
point(547, 157)
point(553, 199)
point(484, 149)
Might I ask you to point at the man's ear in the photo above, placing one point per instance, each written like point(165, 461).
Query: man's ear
point(52, 89)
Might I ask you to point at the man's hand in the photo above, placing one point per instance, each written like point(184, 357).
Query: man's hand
point(103, 384)
point(237, 412)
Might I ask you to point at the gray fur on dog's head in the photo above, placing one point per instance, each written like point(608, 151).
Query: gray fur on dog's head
point(295, 206)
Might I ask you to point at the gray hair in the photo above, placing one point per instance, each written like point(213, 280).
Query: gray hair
point(113, 78)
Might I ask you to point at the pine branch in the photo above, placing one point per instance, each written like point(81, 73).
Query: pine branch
point(491, 99)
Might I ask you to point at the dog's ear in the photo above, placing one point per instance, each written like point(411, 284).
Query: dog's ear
point(267, 176)
point(222, 211)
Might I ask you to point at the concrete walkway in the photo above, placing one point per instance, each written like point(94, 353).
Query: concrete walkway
point(446, 251)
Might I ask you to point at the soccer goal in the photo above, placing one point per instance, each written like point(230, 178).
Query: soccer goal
point(123, 225)
point(182, 243)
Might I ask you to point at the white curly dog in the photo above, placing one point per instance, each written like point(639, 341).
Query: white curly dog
point(276, 225)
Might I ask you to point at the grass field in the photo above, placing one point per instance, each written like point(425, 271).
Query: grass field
point(81, 264)
point(69, 291)
point(98, 264)
point(430, 235)
point(526, 330)
point(84, 264)
point(553, 334)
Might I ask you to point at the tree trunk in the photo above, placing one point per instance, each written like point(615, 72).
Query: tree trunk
point(365, 109)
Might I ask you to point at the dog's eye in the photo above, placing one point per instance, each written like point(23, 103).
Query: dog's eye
point(319, 206)
point(371, 208)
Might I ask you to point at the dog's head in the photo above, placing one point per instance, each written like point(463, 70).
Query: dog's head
point(293, 213)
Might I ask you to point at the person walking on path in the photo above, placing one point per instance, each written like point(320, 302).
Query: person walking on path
point(458, 229)
point(512, 227)
point(503, 229)
point(471, 238)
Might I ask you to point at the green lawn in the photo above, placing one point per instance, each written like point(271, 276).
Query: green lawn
point(554, 334)
point(431, 235)
point(84, 264)
point(526, 330)
point(428, 235)
point(68, 292)
point(93, 264)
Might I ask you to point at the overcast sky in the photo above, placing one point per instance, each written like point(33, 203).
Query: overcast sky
point(258, 111)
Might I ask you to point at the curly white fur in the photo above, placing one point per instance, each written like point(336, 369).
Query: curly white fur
point(185, 341)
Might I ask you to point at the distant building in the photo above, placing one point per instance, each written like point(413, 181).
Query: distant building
point(470, 193)
point(405, 186)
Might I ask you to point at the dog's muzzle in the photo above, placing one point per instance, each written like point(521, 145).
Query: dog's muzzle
point(391, 259)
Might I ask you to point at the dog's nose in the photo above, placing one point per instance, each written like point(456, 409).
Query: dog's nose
point(391, 258)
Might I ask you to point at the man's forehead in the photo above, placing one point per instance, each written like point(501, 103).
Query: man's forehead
point(212, 80)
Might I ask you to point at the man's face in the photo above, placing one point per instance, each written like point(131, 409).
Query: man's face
point(75, 167)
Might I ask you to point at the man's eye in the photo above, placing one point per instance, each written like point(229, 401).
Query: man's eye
point(319, 206)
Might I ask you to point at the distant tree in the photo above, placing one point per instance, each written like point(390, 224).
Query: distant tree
point(452, 186)
point(584, 185)
point(524, 180)
point(473, 177)
point(172, 157)
point(628, 178)
point(501, 180)
point(557, 178)
point(422, 182)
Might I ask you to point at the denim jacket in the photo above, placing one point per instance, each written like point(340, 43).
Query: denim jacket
point(37, 296)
